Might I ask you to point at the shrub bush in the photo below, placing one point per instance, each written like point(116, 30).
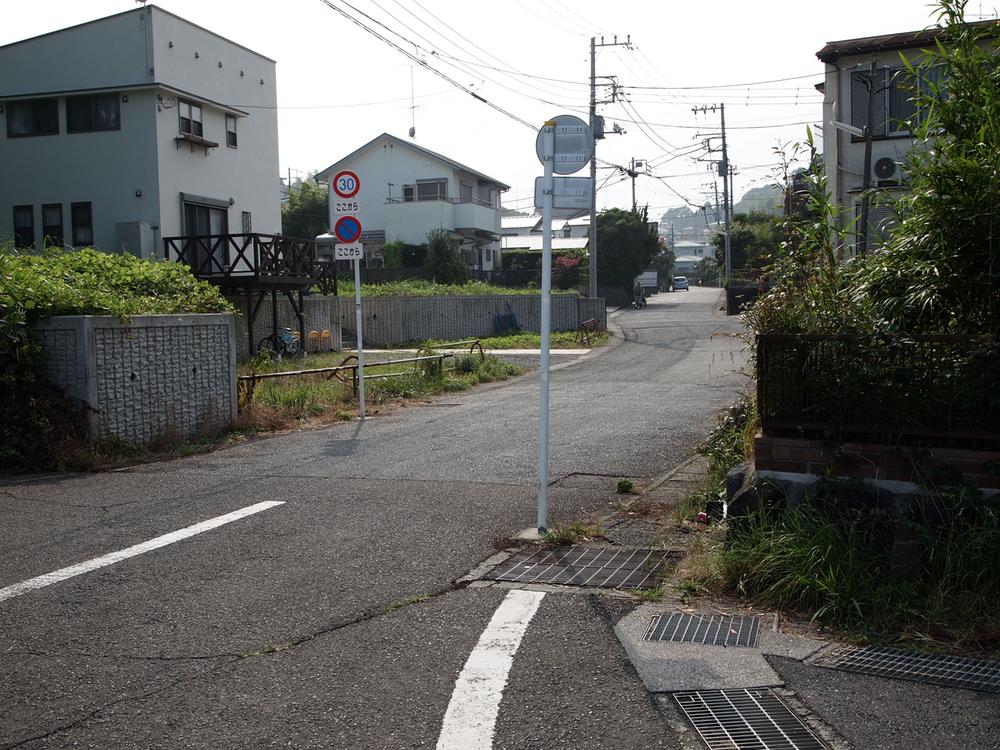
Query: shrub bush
point(36, 420)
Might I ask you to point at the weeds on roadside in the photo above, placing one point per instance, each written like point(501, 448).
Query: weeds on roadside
point(832, 561)
point(727, 446)
point(574, 533)
point(625, 487)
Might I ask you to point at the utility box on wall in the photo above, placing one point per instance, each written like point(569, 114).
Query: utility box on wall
point(155, 377)
point(136, 237)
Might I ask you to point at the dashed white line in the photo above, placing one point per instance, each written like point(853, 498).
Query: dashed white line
point(471, 717)
point(113, 557)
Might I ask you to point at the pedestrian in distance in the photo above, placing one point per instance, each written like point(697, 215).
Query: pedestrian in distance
point(639, 296)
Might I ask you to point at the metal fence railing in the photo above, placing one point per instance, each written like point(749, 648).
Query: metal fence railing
point(913, 390)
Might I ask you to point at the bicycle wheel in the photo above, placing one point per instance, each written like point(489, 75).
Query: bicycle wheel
point(291, 348)
point(266, 344)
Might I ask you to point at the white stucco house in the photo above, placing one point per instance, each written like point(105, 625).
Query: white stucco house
point(849, 65)
point(528, 226)
point(128, 129)
point(407, 191)
point(521, 226)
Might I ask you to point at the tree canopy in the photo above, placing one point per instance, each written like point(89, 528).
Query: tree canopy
point(306, 213)
point(626, 243)
point(754, 239)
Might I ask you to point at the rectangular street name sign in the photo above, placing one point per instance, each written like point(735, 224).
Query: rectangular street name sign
point(570, 193)
point(348, 251)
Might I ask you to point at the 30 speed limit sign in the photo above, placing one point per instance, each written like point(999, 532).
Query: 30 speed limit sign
point(346, 184)
point(348, 251)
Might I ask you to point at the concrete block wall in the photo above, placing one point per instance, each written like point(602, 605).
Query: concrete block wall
point(395, 320)
point(870, 461)
point(322, 312)
point(156, 376)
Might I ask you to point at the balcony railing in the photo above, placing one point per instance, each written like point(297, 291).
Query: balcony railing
point(236, 259)
point(474, 200)
point(904, 390)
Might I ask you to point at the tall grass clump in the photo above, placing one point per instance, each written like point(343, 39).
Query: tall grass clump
point(832, 560)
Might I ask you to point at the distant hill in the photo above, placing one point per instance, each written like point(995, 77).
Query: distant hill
point(768, 199)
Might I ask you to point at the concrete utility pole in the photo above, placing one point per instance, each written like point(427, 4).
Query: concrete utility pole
point(633, 165)
point(598, 134)
point(726, 173)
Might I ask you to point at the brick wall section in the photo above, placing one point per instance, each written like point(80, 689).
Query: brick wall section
point(395, 320)
point(158, 376)
point(871, 461)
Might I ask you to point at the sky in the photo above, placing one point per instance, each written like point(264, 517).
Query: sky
point(339, 86)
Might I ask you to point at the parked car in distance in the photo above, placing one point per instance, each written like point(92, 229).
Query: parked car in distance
point(681, 282)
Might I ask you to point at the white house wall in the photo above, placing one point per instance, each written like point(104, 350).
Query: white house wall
point(244, 82)
point(188, 57)
point(844, 153)
point(382, 164)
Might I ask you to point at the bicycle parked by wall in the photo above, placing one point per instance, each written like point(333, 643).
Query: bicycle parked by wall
point(288, 344)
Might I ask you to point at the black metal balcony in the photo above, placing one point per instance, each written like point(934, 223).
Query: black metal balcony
point(248, 261)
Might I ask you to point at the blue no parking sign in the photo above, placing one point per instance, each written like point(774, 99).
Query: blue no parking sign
point(348, 229)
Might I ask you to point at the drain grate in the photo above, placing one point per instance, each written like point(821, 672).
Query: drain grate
point(935, 669)
point(709, 630)
point(600, 567)
point(746, 720)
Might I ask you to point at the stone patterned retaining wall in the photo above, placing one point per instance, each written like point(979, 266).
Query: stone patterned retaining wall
point(158, 376)
point(395, 320)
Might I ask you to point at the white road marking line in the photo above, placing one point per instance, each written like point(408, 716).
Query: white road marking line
point(112, 557)
point(471, 717)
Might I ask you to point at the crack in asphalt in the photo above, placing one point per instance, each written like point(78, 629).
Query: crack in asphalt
point(101, 709)
point(126, 657)
point(368, 615)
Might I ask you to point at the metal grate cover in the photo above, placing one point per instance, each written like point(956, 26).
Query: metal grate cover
point(709, 630)
point(600, 567)
point(935, 669)
point(753, 719)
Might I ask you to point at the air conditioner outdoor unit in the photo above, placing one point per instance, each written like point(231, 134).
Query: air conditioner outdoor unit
point(886, 172)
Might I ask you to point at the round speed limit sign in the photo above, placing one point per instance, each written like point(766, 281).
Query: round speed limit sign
point(346, 184)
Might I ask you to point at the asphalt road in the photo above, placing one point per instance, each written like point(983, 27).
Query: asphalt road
point(332, 620)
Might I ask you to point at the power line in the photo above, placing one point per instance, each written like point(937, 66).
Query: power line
point(732, 85)
point(420, 62)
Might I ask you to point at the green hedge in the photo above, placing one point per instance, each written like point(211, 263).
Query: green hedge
point(84, 282)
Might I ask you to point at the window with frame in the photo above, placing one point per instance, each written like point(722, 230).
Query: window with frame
point(24, 226)
point(231, 131)
point(96, 112)
point(52, 223)
point(81, 218)
point(34, 117)
point(190, 118)
point(247, 223)
point(432, 190)
point(894, 94)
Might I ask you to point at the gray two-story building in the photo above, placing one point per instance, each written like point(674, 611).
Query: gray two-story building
point(122, 131)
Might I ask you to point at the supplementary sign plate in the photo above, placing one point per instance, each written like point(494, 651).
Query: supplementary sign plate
point(570, 195)
point(348, 251)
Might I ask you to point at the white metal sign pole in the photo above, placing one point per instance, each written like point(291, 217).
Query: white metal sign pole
point(361, 346)
point(548, 186)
